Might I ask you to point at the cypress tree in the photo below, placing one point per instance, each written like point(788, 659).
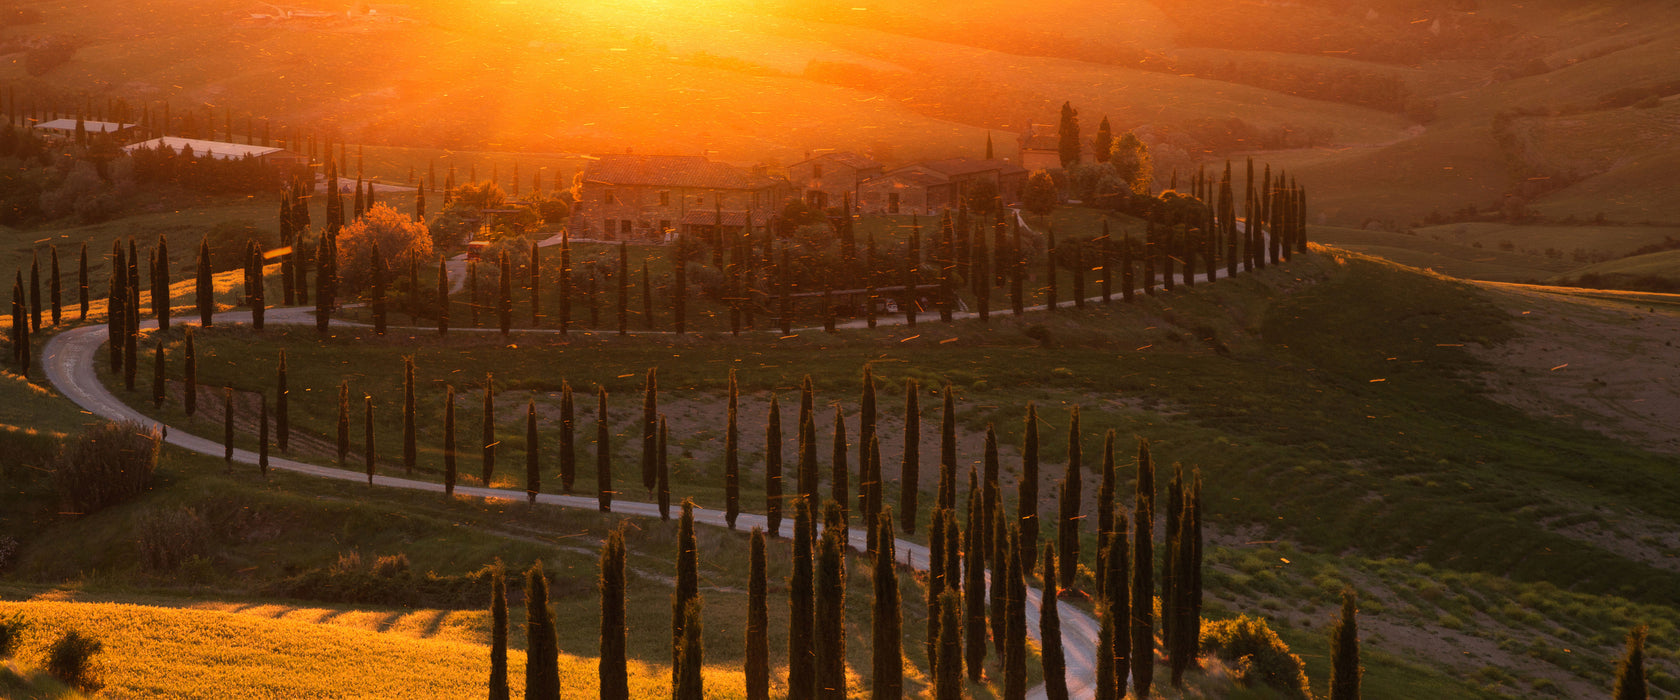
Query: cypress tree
point(115, 315)
point(773, 468)
point(1078, 274)
point(442, 298)
point(679, 286)
point(1142, 649)
point(323, 283)
point(691, 684)
point(623, 288)
point(840, 473)
point(866, 431)
point(801, 659)
point(131, 350)
point(603, 452)
point(262, 435)
point(615, 683)
point(1117, 596)
point(259, 303)
point(829, 647)
point(1169, 562)
point(664, 475)
point(162, 295)
point(54, 289)
point(189, 377)
point(449, 442)
point(990, 494)
point(370, 455)
point(82, 284)
point(343, 421)
point(935, 583)
point(910, 468)
point(227, 424)
point(1072, 495)
point(158, 375)
point(872, 491)
point(487, 428)
point(998, 595)
point(565, 281)
point(731, 460)
point(1344, 656)
point(647, 297)
point(410, 452)
point(1015, 633)
point(568, 439)
point(808, 471)
point(887, 665)
point(533, 465)
point(1630, 672)
point(757, 664)
point(504, 299)
point(948, 453)
point(472, 291)
point(281, 405)
point(650, 424)
point(22, 329)
point(947, 670)
point(1027, 508)
point(1017, 270)
point(379, 290)
point(542, 650)
point(536, 285)
point(1050, 633)
point(974, 582)
point(206, 287)
point(912, 268)
point(498, 634)
point(35, 292)
point(1050, 269)
point(1126, 277)
point(1105, 505)
point(687, 585)
point(1108, 685)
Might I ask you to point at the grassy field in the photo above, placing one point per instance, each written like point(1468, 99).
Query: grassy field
point(1665, 264)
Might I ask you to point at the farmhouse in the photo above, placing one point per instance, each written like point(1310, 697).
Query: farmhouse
point(624, 196)
point(933, 186)
point(223, 150)
point(67, 127)
point(1041, 147)
point(828, 179)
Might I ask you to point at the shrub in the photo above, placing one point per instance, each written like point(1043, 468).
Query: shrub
point(71, 660)
point(391, 566)
point(108, 464)
point(1258, 656)
point(11, 633)
point(168, 538)
point(389, 581)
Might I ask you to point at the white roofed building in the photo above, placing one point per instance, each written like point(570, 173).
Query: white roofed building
point(224, 150)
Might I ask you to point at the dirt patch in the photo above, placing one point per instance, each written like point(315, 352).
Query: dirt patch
point(1606, 365)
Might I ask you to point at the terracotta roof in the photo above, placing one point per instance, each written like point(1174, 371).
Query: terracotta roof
point(913, 176)
point(846, 158)
point(671, 171)
point(954, 167)
point(708, 217)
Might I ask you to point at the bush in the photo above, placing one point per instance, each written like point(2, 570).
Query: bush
point(1258, 656)
point(168, 538)
point(398, 237)
point(71, 660)
point(109, 463)
point(11, 633)
point(389, 581)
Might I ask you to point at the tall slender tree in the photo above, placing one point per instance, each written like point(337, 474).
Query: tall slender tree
point(568, 438)
point(948, 452)
point(840, 474)
point(1630, 672)
point(449, 442)
point(1105, 505)
point(55, 289)
point(206, 286)
point(82, 284)
point(829, 645)
point(159, 378)
point(189, 378)
point(442, 297)
point(910, 468)
point(757, 662)
point(1050, 633)
point(487, 429)
point(533, 452)
point(947, 669)
point(542, 649)
point(1142, 649)
point(603, 452)
point(378, 289)
point(687, 585)
point(370, 455)
point(1015, 633)
point(614, 672)
point(1344, 652)
point(1028, 491)
point(886, 662)
point(801, 602)
point(974, 582)
point(731, 459)
point(773, 468)
point(498, 634)
point(650, 426)
point(1072, 496)
point(1109, 683)
point(664, 470)
point(690, 684)
point(410, 449)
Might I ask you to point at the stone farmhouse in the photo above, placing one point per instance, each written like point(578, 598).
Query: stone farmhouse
point(829, 179)
point(933, 186)
point(647, 197)
point(1041, 147)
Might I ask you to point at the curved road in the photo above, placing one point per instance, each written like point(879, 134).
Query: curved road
point(69, 362)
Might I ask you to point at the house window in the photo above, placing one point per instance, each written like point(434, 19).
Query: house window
point(664, 198)
point(624, 228)
point(611, 196)
point(816, 170)
point(892, 202)
point(664, 226)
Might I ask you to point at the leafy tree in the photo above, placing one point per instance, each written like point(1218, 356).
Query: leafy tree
point(1344, 656)
point(1071, 499)
point(935, 583)
point(542, 649)
point(757, 664)
point(1105, 505)
point(498, 634)
point(887, 666)
point(381, 230)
